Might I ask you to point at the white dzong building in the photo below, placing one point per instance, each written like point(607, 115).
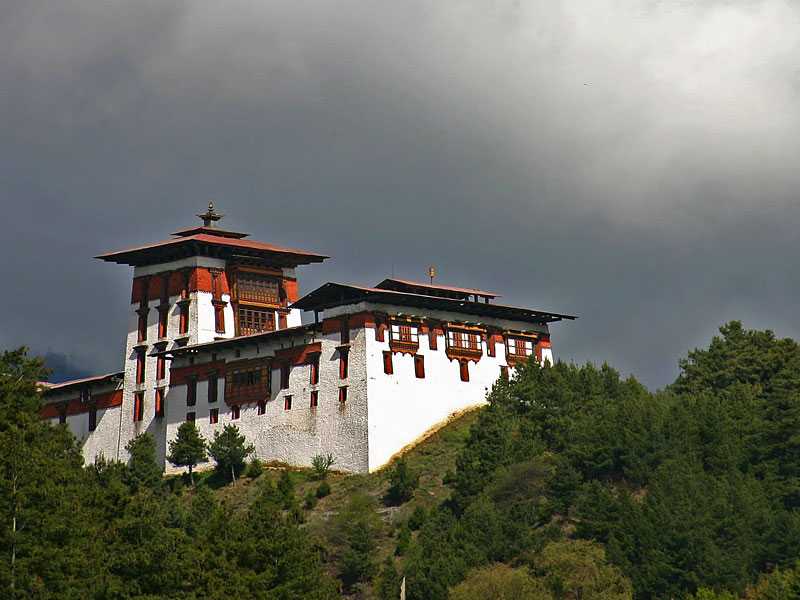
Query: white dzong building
point(215, 336)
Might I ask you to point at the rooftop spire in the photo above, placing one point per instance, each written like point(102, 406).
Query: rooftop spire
point(210, 216)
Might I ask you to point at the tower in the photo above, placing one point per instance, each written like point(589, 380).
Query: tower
point(203, 284)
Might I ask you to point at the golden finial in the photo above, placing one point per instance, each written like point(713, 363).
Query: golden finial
point(431, 273)
point(210, 216)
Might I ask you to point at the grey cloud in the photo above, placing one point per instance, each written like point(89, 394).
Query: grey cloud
point(630, 162)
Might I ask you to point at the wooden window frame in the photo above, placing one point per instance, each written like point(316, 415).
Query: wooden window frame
point(191, 391)
point(388, 362)
point(140, 366)
point(463, 370)
point(419, 366)
point(252, 320)
point(344, 331)
point(262, 407)
point(285, 374)
point(213, 416)
point(213, 388)
point(236, 412)
point(163, 321)
point(344, 362)
point(158, 403)
point(183, 317)
point(287, 402)
point(191, 416)
point(314, 374)
point(141, 326)
point(433, 338)
point(342, 394)
point(138, 407)
point(314, 399)
point(92, 418)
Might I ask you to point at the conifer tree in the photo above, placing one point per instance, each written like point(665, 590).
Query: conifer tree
point(188, 448)
point(143, 470)
point(230, 451)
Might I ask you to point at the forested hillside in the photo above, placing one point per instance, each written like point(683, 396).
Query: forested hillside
point(573, 483)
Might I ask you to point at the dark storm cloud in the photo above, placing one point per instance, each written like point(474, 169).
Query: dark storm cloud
point(632, 162)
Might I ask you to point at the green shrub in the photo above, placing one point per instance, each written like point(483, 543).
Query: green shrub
point(402, 484)
point(403, 541)
point(310, 500)
point(321, 464)
point(416, 519)
point(323, 489)
point(255, 468)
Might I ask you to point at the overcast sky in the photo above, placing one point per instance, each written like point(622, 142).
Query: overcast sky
point(632, 162)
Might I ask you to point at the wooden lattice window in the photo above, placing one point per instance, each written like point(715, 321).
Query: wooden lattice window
point(247, 382)
point(252, 287)
point(519, 346)
point(255, 320)
point(464, 340)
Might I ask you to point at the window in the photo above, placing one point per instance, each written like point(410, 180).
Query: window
point(163, 313)
point(142, 327)
point(213, 416)
point(379, 328)
point(343, 394)
point(92, 418)
point(285, 376)
point(314, 398)
point(314, 363)
point(464, 340)
point(212, 388)
point(504, 372)
point(138, 406)
point(287, 403)
point(388, 367)
point(433, 338)
point(464, 369)
point(191, 392)
point(159, 402)
point(190, 417)
point(258, 288)
point(161, 367)
point(419, 366)
point(490, 349)
point(262, 407)
point(519, 346)
point(343, 360)
point(62, 414)
point(235, 412)
point(219, 316)
point(183, 317)
point(282, 322)
point(139, 365)
point(345, 331)
point(255, 320)
point(405, 333)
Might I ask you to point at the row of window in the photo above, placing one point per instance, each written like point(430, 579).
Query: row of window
point(163, 319)
point(419, 366)
point(462, 340)
point(213, 414)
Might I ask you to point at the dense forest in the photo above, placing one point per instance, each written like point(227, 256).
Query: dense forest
point(572, 483)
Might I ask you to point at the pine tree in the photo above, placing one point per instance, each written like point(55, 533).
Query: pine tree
point(143, 470)
point(188, 448)
point(230, 450)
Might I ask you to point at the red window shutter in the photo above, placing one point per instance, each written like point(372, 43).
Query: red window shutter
point(138, 406)
point(433, 339)
point(163, 314)
point(219, 318)
point(183, 323)
point(142, 327)
point(315, 371)
point(379, 332)
point(388, 367)
point(262, 407)
point(343, 394)
point(490, 349)
point(213, 416)
point(464, 370)
point(287, 403)
point(212, 388)
point(345, 331)
point(161, 367)
point(343, 360)
point(285, 376)
point(419, 366)
point(159, 403)
point(282, 323)
point(314, 398)
point(140, 365)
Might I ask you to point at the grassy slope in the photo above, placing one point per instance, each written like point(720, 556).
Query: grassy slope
point(432, 459)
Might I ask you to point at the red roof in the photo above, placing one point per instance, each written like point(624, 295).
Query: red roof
point(54, 387)
point(154, 253)
point(393, 283)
